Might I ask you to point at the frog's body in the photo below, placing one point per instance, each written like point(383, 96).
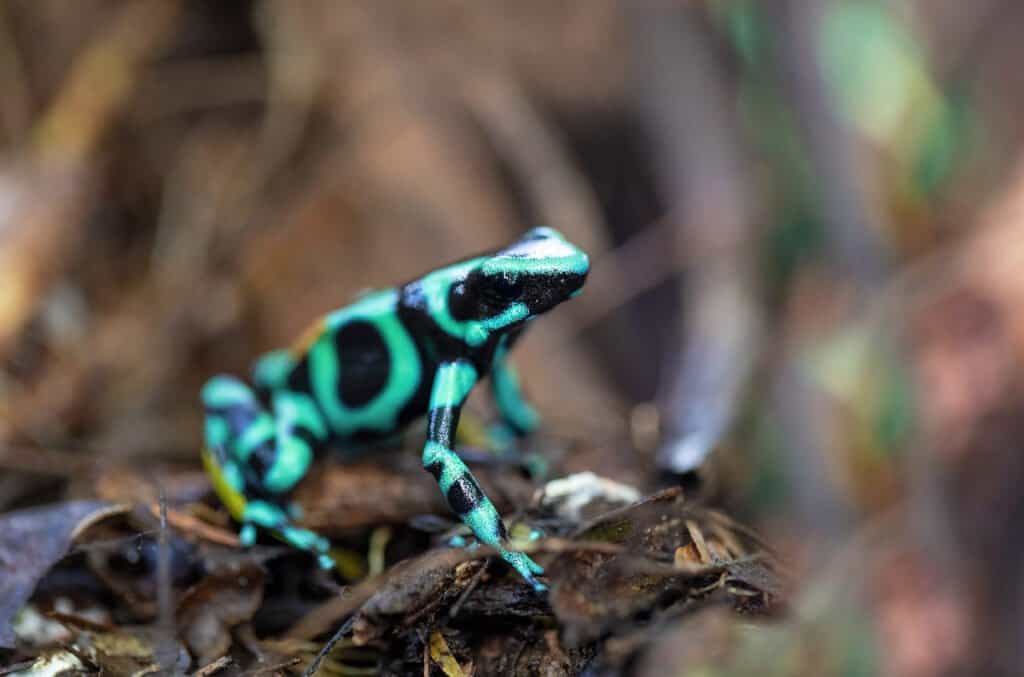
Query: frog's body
point(363, 372)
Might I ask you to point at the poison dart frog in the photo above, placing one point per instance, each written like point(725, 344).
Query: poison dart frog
point(361, 373)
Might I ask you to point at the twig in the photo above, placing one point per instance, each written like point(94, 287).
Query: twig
point(109, 544)
point(164, 589)
point(473, 584)
point(214, 667)
point(187, 523)
point(326, 649)
point(272, 668)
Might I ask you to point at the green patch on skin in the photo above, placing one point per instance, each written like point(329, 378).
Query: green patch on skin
point(549, 254)
point(291, 411)
point(517, 312)
point(452, 384)
point(435, 287)
point(577, 263)
point(303, 538)
point(434, 452)
point(224, 391)
point(452, 467)
point(508, 395)
point(271, 370)
point(255, 434)
point(247, 535)
point(273, 517)
point(298, 409)
point(483, 520)
point(264, 514)
point(293, 460)
point(216, 432)
point(381, 413)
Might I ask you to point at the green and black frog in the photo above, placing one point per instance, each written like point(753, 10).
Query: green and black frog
point(361, 373)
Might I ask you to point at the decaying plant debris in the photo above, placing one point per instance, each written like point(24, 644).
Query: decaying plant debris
point(649, 564)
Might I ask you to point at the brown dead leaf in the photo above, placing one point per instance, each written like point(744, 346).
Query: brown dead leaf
point(222, 600)
point(413, 589)
point(346, 495)
point(670, 552)
point(31, 542)
point(132, 652)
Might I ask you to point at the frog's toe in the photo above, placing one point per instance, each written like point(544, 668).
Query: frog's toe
point(304, 539)
point(532, 581)
point(526, 568)
point(501, 436)
point(325, 561)
point(247, 535)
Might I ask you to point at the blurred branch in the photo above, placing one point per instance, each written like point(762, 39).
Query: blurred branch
point(858, 260)
point(102, 79)
point(553, 185)
point(37, 236)
point(685, 102)
point(16, 107)
point(845, 203)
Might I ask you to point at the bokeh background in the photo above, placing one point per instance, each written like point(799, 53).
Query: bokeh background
point(805, 220)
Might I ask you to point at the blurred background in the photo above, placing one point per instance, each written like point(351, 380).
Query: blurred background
point(805, 221)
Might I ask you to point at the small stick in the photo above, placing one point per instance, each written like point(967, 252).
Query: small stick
point(326, 649)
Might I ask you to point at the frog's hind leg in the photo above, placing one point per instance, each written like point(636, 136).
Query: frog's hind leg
point(249, 453)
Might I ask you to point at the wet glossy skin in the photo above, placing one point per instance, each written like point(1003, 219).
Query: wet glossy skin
point(363, 372)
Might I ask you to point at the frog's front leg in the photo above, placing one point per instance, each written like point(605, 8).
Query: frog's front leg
point(508, 396)
point(517, 416)
point(452, 384)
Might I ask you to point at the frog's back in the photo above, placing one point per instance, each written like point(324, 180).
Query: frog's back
point(361, 368)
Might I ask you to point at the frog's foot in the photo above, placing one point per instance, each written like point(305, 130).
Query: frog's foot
point(536, 465)
point(457, 541)
point(304, 539)
point(460, 541)
point(275, 519)
point(526, 568)
point(501, 437)
point(247, 535)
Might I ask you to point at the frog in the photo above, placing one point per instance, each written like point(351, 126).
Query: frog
point(362, 374)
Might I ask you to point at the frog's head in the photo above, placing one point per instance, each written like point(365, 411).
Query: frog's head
point(523, 280)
